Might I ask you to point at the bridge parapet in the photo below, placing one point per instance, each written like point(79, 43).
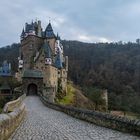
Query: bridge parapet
point(10, 121)
point(103, 119)
point(12, 105)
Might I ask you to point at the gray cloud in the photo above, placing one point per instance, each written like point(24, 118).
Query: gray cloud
point(91, 21)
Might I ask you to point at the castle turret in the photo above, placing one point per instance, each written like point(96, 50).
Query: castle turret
point(29, 29)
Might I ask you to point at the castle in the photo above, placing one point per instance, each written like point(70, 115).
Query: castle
point(43, 67)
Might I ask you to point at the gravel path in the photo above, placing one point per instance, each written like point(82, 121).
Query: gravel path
point(43, 123)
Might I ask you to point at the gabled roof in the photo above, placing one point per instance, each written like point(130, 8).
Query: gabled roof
point(47, 50)
point(32, 74)
point(49, 31)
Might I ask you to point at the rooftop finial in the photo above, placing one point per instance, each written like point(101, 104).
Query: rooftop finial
point(32, 21)
point(58, 37)
point(49, 20)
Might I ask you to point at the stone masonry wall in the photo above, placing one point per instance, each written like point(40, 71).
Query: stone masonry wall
point(102, 119)
point(64, 79)
point(52, 44)
point(30, 45)
point(10, 121)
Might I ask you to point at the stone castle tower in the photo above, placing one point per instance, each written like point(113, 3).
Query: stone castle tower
point(43, 67)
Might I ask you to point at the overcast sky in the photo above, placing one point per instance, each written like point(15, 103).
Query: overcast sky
point(83, 20)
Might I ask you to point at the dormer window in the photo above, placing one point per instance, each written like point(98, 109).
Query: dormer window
point(48, 61)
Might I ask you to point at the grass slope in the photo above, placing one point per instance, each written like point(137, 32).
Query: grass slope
point(75, 98)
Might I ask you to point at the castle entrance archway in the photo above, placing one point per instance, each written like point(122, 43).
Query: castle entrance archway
point(32, 89)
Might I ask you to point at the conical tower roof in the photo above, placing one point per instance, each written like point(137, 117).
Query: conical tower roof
point(23, 33)
point(49, 31)
point(58, 61)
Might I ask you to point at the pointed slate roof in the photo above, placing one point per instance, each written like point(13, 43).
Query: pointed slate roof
point(23, 33)
point(58, 61)
point(49, 31)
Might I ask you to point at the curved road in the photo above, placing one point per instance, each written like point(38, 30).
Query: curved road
point(43, 123)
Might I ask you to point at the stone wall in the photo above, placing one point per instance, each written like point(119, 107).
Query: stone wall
point(12, 105)
point(30, 45)
point(49, 94)
point(63, 76)
point(99, 118)
point(52, 44)
point(10, 121)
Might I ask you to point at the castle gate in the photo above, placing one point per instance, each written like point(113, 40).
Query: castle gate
point(32, 89)
point(32, 82)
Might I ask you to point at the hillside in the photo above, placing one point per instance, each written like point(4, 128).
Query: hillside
point(75, 98)
point(113, 66)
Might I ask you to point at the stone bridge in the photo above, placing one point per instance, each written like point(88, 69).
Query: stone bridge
point(43, 123)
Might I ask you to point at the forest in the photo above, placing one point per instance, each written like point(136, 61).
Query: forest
point(111, 66)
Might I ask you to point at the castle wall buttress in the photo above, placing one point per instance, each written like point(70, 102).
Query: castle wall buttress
point(52, 44)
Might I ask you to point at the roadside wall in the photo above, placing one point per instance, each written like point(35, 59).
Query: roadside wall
point(10, 121)
point(103, 119)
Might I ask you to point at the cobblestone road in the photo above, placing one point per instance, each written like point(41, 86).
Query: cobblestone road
point(42, 123)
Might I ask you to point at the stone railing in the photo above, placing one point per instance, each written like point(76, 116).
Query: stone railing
point(10, 121)
point(103, 119)
point(12, 105)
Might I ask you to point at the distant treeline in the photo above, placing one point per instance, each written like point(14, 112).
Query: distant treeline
point(112, 66)
point(11, 54)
